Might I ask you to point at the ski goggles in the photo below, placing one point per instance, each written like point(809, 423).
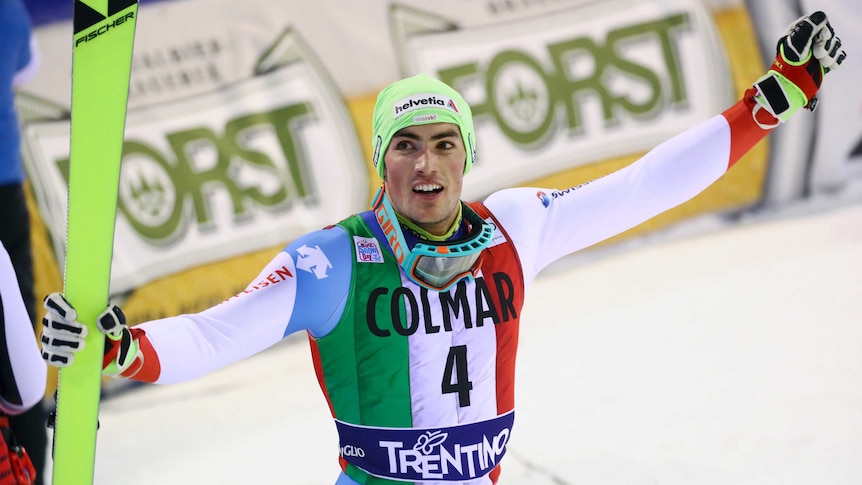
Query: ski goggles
point(436, 265)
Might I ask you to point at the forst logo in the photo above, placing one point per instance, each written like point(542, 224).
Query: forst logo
point(162, 195)
point(531, 96)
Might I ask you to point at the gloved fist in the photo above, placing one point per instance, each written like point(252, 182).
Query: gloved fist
point(808, 50)
point(121, 347)
point(63, 335)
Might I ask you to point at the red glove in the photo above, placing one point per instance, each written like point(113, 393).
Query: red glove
point(808, 50)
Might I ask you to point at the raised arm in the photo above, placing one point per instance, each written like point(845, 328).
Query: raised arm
point(548, 224)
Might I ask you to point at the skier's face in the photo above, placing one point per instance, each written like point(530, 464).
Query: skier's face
point(424, 174)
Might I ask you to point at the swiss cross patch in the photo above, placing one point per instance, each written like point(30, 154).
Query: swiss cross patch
point(367, 250)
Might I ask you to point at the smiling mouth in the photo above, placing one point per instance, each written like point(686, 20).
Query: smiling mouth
point(428, 189)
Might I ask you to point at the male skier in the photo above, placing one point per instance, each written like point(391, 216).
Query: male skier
point(413, 307)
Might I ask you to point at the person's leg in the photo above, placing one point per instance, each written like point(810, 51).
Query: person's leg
point(30, 432)
point(29, 428)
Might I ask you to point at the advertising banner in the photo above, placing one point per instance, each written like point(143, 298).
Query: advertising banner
point(249, 124)
point(569, 89)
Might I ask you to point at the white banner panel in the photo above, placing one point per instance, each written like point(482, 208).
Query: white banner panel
point(219, 173)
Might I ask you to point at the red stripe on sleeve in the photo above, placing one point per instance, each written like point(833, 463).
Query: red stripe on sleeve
point(744, 130)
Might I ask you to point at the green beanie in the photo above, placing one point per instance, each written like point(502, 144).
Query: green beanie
point(419, 100)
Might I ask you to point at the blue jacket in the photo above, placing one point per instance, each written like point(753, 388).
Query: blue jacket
point(15, 55)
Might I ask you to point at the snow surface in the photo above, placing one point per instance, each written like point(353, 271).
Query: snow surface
point(731, 356)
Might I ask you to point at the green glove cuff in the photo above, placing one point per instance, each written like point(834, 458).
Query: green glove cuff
point(779, 96)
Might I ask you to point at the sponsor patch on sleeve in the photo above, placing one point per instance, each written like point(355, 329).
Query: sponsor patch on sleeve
point(499, 237)
point(367, 250)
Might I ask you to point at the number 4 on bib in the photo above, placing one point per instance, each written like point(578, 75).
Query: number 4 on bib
point(456, 367)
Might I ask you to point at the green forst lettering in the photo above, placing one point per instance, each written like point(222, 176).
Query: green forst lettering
point(523, 94)
point(160, 194)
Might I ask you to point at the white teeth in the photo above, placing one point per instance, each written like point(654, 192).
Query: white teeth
point(427, 188)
